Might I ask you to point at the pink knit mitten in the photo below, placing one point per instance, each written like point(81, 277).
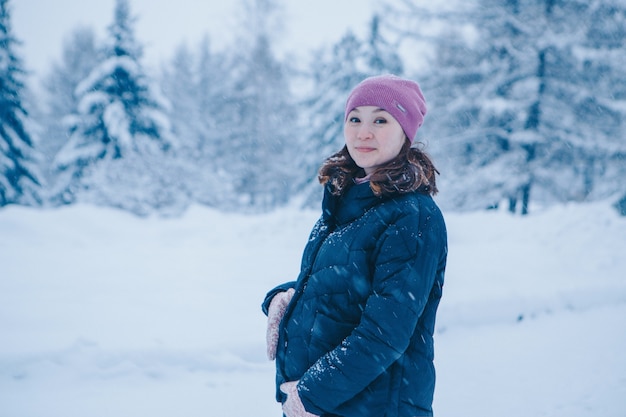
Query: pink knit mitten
point(293, 407)
point(275, 314)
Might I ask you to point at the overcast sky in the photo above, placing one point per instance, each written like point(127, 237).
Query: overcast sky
point(42, 25)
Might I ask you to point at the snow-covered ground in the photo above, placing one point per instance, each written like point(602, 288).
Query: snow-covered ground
point(103, 314)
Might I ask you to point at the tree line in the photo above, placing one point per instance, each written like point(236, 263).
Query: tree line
point(526, 106)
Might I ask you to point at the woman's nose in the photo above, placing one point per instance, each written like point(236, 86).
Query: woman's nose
point(364, 132)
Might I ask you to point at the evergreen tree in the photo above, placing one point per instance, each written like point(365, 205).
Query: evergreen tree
point(212, 186)
point(600, 107)
point(120, 148)
point(79, 57)
point(259, 133)
point(335, 71)
point(553, 118)
point(194, 85)
point(20, 181)
point(180, 89)
point(382, 55)
point(511, 99)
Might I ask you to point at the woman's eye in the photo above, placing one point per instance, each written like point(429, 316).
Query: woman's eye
point(380, 121)
point(354, 119)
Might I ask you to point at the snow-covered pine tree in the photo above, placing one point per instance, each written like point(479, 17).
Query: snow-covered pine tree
point(479, 82)
point(178, 81)
point(194, 84)
point(601, 101)
point(20, 180)
point(120, 148)
point(259, 135)
point(551, 118)
point(79, 57)
point(381, 54)
point(334, 72)
point(510, 84)
point(212, 185)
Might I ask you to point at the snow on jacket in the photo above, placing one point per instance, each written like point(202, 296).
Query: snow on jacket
point(358, 333)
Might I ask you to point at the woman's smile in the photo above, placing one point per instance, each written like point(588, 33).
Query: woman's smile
point(364, 149)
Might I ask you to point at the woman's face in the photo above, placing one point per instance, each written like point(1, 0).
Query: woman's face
point(373, 137)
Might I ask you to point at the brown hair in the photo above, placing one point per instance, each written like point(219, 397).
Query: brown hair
point(410, 170)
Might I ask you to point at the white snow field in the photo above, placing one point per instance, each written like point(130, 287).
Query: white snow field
point(103, 314)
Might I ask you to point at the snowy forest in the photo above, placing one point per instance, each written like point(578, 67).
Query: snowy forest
point(527, 102)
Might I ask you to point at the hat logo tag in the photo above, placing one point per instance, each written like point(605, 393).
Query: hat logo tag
point(399, 106)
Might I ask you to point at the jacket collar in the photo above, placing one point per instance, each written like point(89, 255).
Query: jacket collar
point(340, 210)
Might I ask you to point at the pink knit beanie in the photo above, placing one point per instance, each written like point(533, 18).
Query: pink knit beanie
point(400, 97)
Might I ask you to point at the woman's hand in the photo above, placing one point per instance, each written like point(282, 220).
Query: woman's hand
point(275, 314)
point(293, 407)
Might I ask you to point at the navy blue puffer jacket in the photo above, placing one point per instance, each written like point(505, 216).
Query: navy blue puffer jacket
point(358, 333)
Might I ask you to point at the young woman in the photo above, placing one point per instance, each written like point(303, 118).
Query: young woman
point(353, 336)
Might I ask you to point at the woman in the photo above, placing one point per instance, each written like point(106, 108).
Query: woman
point(353, 336)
